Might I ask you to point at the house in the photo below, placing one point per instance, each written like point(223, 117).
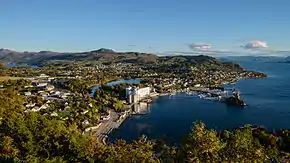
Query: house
point(67, 108)
point(30, 105)
point(54, 114)
point(197, 85)
point(84, 112)
point(43, 76)
point(49, 87)
point(86, 122)
point(28, 86)
point(106, 117)
point(27, 93)
point(42, 84)
point(35, 109)
point(44, 106)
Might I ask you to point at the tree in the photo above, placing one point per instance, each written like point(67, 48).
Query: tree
point(243, 147)
point(202, 145)
point(7, 148)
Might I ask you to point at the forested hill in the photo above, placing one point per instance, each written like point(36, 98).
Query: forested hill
point(211, 62)
point(96, 55)
point(107, 55)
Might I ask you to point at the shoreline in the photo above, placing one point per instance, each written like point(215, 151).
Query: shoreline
point(102, 134)
point(104, 129)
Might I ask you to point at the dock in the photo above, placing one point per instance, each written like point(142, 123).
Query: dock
point(211, 92)
point(219, 94)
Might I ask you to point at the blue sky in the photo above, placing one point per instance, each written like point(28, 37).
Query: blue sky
point(150, 26)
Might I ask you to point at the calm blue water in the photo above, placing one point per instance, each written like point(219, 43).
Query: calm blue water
point(170, 118)
point(13, 64)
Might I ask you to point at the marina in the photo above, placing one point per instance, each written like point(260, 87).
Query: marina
point(217, 94)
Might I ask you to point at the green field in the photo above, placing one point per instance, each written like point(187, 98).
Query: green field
point(3, 78)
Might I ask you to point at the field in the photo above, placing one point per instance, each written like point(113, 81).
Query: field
point(3, 78)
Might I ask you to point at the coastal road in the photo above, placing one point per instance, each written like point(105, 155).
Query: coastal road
point(107, 126)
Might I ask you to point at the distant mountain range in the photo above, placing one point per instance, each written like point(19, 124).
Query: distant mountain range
point(110, 56)
point(102, 54)
point(7, 55)
point(273, 59)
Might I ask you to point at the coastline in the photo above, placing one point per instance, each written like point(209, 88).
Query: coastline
point(114, 123)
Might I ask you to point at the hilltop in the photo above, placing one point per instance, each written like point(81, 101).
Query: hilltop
point(102, 54)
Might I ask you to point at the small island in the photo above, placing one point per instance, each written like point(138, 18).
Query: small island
point(233, 101)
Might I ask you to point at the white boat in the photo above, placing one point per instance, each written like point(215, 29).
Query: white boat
point(211, 98)
point(201, 96)
point(189, 93)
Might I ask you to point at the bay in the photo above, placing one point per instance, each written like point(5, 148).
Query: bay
point(170, 118)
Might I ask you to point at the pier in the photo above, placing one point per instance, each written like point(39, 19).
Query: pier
point(219, 94)
point(211, 92)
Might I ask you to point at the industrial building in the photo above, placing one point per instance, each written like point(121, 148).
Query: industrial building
point(134, 95)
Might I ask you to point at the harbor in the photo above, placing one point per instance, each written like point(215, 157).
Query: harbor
point(219, 94)
point(143, 107)
point(139, 100)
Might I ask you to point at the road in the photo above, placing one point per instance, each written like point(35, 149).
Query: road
point(107, 126)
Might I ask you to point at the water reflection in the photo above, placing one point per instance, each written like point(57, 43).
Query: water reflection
point(141, 108)
point(143, 127)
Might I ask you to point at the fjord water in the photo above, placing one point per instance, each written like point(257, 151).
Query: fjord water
point(170, 118)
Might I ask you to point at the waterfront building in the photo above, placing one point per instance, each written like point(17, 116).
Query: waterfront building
point(134, 95)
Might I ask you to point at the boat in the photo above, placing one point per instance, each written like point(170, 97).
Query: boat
point(189, 93)
point(211, 98)
point(201, 96)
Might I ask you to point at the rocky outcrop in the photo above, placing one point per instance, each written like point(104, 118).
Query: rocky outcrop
point(233, 101)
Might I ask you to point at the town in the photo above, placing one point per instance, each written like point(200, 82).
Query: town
point(144, 81)
point(66, 91)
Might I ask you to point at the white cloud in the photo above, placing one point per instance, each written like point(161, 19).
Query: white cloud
point(203, 49)
point(200, 46)
point(255, 48)
point(255, 45)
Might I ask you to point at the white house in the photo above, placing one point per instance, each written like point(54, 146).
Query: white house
point(49, 87)
point(43, 76)
point(27, 93)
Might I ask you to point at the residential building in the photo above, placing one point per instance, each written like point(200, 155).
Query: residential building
point(49, 87)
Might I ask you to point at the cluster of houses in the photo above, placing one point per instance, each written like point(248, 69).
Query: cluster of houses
point(41, 86)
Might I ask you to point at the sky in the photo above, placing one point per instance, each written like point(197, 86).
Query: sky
point(157, 26)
